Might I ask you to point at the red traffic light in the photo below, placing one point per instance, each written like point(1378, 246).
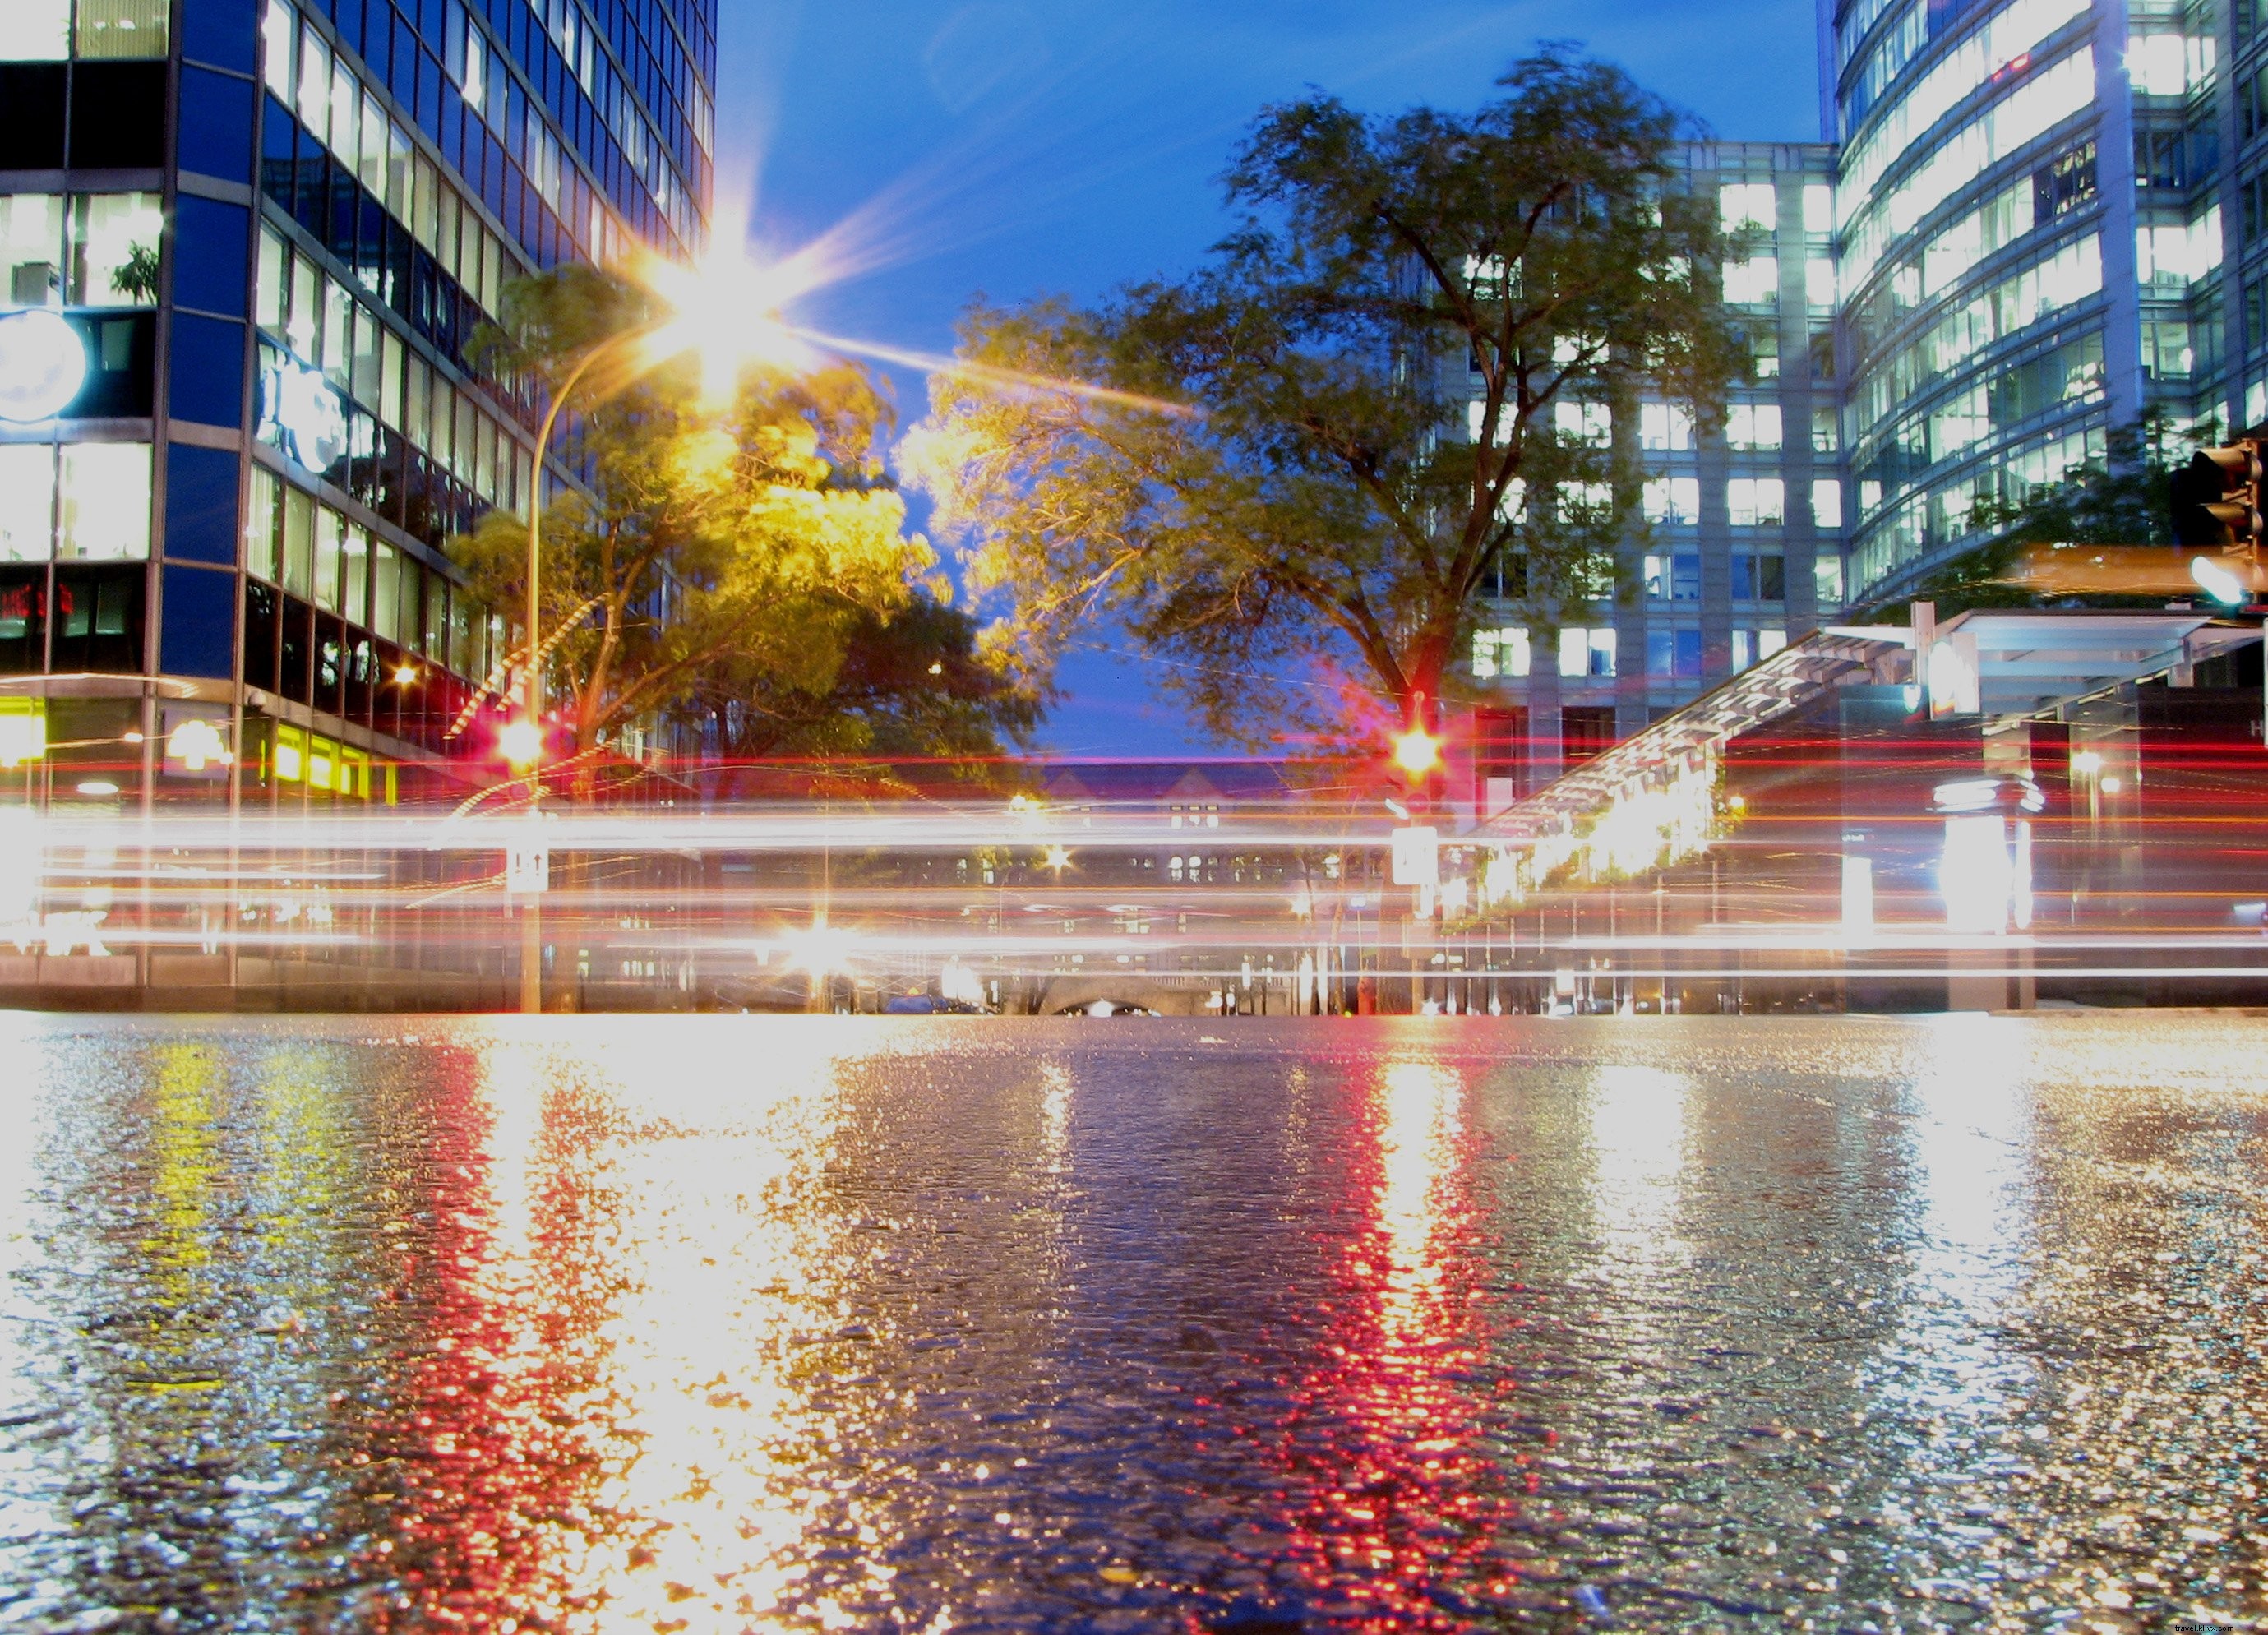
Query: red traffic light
point(1417, 749)
point(520, 742)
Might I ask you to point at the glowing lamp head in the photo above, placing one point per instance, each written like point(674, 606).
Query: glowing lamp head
point(2217, 581)
point(521, 743)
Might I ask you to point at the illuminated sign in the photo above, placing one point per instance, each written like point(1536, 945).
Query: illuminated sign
point(300, 412)
point(42, 366)
point(196, 744)
point(23, 731)
point(1416, 856)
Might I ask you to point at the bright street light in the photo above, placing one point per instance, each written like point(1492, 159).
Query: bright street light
point(2217, 581)
point(727, 313)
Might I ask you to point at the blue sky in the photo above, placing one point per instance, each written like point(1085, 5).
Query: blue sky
point(1018, 148)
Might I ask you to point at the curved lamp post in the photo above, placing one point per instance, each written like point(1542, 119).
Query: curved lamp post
point(726, 314)
point(524, 738)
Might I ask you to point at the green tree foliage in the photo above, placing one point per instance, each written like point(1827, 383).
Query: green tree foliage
point(750, 559)
point(1280, 489)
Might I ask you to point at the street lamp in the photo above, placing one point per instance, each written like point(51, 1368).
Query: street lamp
point(724, 313)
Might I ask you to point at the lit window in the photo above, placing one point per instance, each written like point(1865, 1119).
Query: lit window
point(1819, 280)
point(1500, 653)
point(1744, 648)
point(1748, 204)
point(1756, 502)
point(1664, 427)
point(280, 27)
point(27, 501)
point(1770, 642)
point(1818, 207)
point(1752, 282)
point(105, 501)
point(1586, 651)
point(34, 31)
point(2177, 254)
point(1827, 502)
point(1753, 426)
point(31, 249)
point(1827, 581)
point(2169, 64)
point(1587, 425)
point(1672, 499)
point(121, 28)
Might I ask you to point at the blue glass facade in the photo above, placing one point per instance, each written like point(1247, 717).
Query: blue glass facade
point(2040, 208)
point(256, 236)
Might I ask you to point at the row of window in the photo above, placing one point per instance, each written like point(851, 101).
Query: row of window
point(1754, 206)
point(1939, 514)
point(1951, 254)
point(78, 502)
point(97, 626)
point(2069, 376)
point(1755, 282)
point(1667, 428)
point(1592, 651)
point(2171, 256)
point(1993, 54)
point(2166, 63)
point(333, 333)
point(53, 31)
point(350, 122)
point(2042, 99)
point(80, 249)
point(1749, 501)
point(2070, 275)
point(312, 553)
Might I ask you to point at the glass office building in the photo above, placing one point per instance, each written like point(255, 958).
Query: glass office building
point(245, 245)
point(2040, 210)
point(1735, 540)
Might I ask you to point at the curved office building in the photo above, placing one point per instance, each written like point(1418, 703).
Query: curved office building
point(2030, 220)
point(244, 244)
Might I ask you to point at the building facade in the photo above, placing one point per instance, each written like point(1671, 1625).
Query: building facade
point(246, 246)
point(1736, 541)
point(2041, 220)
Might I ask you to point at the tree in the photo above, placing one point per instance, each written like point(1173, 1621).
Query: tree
point(1277, 485)
point(748, 553)
point(922, 684)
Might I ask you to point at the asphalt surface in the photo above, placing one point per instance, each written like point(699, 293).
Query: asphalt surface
point(726, 1323)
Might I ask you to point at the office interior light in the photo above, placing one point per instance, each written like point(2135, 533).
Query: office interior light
point(42, 366)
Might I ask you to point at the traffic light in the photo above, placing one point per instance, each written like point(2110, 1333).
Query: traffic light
point(2216, 498)
point(1418, 747)
point(520, 742)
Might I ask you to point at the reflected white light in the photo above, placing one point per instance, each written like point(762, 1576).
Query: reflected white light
point(1637, 1144)
point(1858, 898)
point(1976, 875)
point(1420, 1110)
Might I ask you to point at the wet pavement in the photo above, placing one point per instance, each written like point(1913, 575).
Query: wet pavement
point(721, 1323)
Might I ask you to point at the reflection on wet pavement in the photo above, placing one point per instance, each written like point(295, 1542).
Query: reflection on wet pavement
point(720, 1324)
